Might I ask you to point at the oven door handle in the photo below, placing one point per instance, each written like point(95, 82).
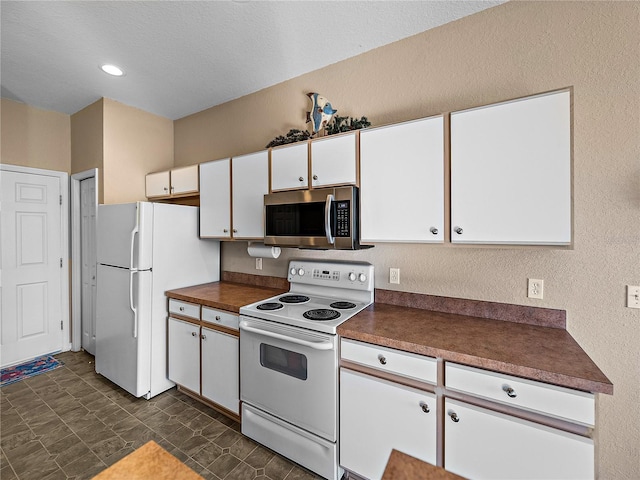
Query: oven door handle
point(287, 338)
point(327, 219)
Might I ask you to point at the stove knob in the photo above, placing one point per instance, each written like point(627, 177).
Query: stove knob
point(352, 277)
point(362, 277)
point(293, 271)
point(301, 272)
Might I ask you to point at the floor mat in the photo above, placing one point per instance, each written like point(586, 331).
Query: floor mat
point(39, 365)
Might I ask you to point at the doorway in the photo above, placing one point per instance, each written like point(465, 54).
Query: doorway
point(34, 313)
point(84, 207)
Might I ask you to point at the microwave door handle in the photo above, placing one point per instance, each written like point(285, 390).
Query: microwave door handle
point(279, 336)
point(327, 219)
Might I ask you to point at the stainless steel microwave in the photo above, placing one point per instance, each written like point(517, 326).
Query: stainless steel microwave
point(323, 218)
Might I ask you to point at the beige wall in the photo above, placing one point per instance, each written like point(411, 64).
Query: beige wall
point(135, 143)
point(31, 137)
point(513, 50)
point(124, 143)
point(87, 142)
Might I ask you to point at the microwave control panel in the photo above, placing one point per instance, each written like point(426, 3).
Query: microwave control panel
point(343, 219)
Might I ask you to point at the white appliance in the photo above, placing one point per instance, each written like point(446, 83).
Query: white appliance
point(289, 361)
point(144, 249)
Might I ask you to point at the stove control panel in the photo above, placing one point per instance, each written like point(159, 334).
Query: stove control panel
point(353, 275)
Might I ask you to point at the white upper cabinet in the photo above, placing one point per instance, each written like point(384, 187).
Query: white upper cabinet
point(250, 182)
point(215, 199)
point(158, 184)
point(184, 180)
point(511, 172)
point(180, 181)
point(402, 182)
point(334, 160)
point(290, 167)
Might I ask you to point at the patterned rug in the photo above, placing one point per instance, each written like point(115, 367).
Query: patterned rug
point(39, 365)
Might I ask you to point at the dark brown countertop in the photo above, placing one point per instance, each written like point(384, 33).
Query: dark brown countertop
point(228, 296)
point(405, 467)
point(536, 352)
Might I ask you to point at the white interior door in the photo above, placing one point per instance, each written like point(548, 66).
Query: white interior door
point(88, 260)
point(32, 261)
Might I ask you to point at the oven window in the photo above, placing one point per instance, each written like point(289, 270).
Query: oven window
point(284, 361)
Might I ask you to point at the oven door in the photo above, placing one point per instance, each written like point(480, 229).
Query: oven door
point(290, 373)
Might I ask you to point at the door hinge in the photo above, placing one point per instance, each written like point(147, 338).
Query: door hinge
point(61, 263)
point(61, 325)
point(60, 199)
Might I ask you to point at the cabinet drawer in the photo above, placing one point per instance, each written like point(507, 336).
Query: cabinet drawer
point(389, 360)
point(220, 317)
point(184, 308)
point(540, 397)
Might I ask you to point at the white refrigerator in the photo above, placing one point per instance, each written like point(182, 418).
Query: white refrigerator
point(144, 249)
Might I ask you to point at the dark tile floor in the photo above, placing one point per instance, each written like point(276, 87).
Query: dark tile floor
point(72, 423)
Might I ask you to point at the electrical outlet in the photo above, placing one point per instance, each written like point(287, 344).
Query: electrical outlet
point(258, 263)
point(394, 275)
point(535, 288)
point(633, 296)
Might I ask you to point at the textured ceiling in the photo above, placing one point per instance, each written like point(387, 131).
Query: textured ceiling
point(181, 57)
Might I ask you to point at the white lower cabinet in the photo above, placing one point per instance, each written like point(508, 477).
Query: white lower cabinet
point(204, 355)
point(482, 444)
point(377, 416)
point(184, 354)
point(220, 376)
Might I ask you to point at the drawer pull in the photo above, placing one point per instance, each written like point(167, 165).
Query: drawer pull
point(382, 359)
point(203, 336)
point(454, 417)
point(301, 179)
point(194, 334)
point(434, 230)
point(218, 318)
point(511, 393)
point(182, 309)
point(425, 407)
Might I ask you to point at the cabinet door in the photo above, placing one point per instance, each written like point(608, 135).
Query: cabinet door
point(184, 180)
point(290, 167)
point(215, 199)
point(220, 369)
point(250, 182)
point(334, 160)
point(184, 354)
point(402, 182)
point(157, 184)
point(376, 416)
point(511, 172)
point(485, 444)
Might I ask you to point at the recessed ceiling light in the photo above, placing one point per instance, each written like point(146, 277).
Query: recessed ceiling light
point(112, 70)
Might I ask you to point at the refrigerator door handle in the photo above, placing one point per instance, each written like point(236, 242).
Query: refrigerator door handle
point(134, 232)
point(133, 309)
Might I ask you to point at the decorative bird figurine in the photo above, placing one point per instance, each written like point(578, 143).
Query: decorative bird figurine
point(321, 112)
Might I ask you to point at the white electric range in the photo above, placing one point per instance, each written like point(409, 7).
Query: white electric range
point(289, 361)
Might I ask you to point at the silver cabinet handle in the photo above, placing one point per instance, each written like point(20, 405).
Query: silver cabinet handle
point(511, 393)
point(166, 189)
point(203, 336)
point(382, 359)
point(424, 407)
point(315, 177)
point(194, 334)
point(301, 179)
point(235, 230)
point(434, 230)
point(218, 318)
point(225, 230)
point(454, 417)
point(182, 309)
point(173, 189)
point(458, 230)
